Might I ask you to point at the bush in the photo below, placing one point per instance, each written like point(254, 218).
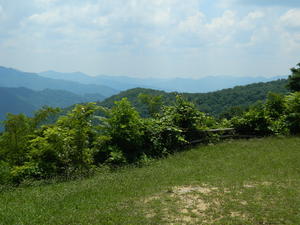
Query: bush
point(106, 152)
point(186, 118)
point(5, 173)
point(26, 171)
point(161, 137)
point(253, 122)
point(124, 127)
point(293, 112)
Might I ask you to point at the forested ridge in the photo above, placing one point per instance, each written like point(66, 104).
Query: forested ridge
point(218, 103)
point(24, 100)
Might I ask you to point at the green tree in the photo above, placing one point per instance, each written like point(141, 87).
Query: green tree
point(275, 105)
point(15, 138)
point(61, 148)
point(124, 132)
point(294, 79)
point(19, 129)
point(293, 112)
point(153, 102)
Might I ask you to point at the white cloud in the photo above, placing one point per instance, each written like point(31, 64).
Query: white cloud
point(224, 22)
point(249, 22)
point(193, 23)
point(288, 28)
point(217, 31)
point(46, 18)
point(291, 18)
point(68, 14)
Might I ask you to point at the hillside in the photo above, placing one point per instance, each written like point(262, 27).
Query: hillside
point(214, 103)
point(15, 78)
point(13, 104)
point(24, 100)
point(240, 182)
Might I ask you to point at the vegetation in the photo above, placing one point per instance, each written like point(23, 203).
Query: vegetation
point(225, 103)
point(81, 140)
point(294, 79)
point(240, 182)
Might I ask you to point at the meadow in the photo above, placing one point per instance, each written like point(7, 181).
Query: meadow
point(252, 181)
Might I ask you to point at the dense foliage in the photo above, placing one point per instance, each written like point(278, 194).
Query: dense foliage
point(224, 103)
point(279, 115)
point(80, 140)
point(294, 79)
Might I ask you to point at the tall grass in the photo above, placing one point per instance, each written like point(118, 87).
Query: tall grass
point(248, 182)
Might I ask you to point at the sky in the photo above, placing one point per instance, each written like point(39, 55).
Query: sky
point(151, 38)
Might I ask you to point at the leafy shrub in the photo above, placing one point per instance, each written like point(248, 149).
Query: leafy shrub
point(124, 126)
point(161, 137)
point(106, 152)
point(294, 79)
point(253, 122)
point(5, 173)
point(293, 112)
point(275, 105)
point(186, 118)
point(26, 171)
point(15, 138)
point(63, 148)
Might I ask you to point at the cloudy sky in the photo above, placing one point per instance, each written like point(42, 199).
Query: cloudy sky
point(158, 38)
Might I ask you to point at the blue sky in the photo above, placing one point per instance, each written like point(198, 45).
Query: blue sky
point(157, 38)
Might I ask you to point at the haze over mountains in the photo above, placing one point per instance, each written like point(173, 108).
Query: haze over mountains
point(22, 92)
point(15, 78)
point(24, 100)
point(189, 85)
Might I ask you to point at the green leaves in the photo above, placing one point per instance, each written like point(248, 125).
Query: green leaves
point(279, 115)
point(125, 128)
point(79, 140)
point(294, 79)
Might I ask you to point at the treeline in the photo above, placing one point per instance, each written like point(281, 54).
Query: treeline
point(225, 103)
point(81, 140)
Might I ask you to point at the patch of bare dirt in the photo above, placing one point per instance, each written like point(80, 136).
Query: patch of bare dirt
point(193, 204)
point(189, 201)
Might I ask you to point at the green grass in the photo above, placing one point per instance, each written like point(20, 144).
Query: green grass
point(238, 182)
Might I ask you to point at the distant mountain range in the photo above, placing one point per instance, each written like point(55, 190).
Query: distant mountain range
point(189, 85)
point(22, 92)
point(15, 78)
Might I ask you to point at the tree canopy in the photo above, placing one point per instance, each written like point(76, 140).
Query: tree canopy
point(294, 79)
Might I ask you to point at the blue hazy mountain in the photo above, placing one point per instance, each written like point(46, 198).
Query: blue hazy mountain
point(15, 78)
point(201, 85)
point(24, 100)
point(117, 82)
point(11, 103)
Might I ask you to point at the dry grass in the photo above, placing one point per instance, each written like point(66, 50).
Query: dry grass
point(193, 204)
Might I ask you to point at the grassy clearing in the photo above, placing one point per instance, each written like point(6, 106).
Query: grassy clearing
point(239, 182)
